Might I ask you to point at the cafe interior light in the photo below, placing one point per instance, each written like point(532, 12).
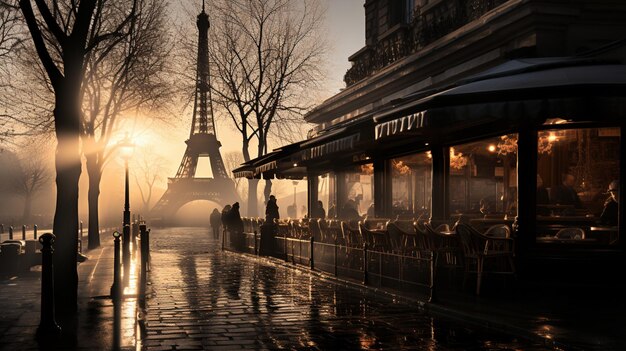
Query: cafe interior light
point(457, 160)
point(491, 148)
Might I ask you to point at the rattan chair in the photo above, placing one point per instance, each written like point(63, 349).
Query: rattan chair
point(570, 233)
point(376, 241)
point(478, 248)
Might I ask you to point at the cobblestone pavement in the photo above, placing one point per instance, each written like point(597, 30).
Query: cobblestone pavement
point(205, 298)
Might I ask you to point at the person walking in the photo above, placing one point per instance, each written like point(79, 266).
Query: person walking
point(215, 220)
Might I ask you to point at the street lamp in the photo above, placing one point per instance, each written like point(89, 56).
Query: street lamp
point(126, 148)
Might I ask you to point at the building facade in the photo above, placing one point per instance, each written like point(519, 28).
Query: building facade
point(488, 111)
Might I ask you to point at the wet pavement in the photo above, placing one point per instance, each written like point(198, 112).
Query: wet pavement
point(203, 298)
point(99, 325)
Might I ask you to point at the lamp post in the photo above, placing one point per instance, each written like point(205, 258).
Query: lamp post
point(126, 148)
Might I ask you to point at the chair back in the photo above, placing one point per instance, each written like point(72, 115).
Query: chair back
point(571, 233)
point(376, 223)
point(351, 236)
point(314, 229)
point(498, 231)
point(283, 229)
point(397, 237)
point(330, 231)
point(471, 240)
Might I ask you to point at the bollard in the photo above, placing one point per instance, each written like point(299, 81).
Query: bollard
point(312, 260)
point(47, 324)
point(126, 251)
point(23, 231)
point(35, 231)
point(365, 277)
point(116, 288)
point(143, 236)
point(10, 232)
point(148, 258)
point(223, 238)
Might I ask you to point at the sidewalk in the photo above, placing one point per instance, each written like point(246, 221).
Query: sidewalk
point(204, 298)
point(20, 308)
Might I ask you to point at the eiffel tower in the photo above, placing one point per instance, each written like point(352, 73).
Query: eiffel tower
point(185, 186)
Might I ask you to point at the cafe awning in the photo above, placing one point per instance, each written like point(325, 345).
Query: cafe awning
point(512, 91)
point(245, 171)
point(332, 146)
point(268, 164)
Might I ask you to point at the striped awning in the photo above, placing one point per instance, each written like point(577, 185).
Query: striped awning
point(510, 93)
point(266, 167)
point(339, 145)
point(412, 122)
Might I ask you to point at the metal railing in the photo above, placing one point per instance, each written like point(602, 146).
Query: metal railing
point(410, 273)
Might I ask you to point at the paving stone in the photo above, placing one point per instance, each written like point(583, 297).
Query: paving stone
point(227, 301)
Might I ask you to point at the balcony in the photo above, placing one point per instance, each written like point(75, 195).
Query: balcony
point(429, 23)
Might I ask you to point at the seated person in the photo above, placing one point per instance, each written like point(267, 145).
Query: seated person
point(565, 194)
point(610, 212)
point(349, 211)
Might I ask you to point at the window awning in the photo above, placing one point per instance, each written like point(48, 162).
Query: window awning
point(267, 163)
point(338, 145)
point(529, 91)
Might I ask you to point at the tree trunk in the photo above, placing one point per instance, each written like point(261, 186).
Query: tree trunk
point(253, 208)
point(267, 191)
point(95, 175)
point(28, 202)
point(65, 227)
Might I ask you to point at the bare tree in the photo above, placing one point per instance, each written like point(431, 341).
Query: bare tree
point(122, 75)
point(64, 33)
point(33, 175)
point(149, 169)
point(11, 35)
point(232, 160)
point(266, 60)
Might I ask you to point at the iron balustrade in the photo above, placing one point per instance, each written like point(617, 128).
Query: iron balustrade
point(371, 266)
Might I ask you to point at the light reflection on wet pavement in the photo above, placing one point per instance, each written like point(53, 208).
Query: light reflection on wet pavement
point(204, 298)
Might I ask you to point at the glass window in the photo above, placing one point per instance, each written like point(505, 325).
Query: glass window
point(577, 185)
point(483, 180)
point(358, 199)
point(326, 194)
point(411, 186)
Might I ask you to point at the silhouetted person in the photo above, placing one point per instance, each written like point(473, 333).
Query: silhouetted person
point(318, 211)
point(225, 218)
point(565, 194)
point(235, 227)
point(542, 198)
point(271, 210)
point(215, 219)
point(611, 206)
point(371, 211)
point(349, 211)
point(332, 211)
point(234, 219)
